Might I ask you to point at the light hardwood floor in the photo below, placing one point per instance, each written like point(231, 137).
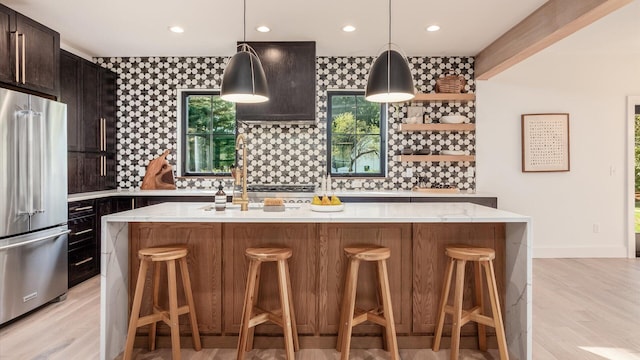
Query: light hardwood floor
point(586, 309)
point(582, 309)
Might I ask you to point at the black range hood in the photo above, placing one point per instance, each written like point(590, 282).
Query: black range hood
point(290, 68)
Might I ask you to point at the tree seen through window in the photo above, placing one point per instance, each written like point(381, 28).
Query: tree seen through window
point(356, 133)
point(209, 139)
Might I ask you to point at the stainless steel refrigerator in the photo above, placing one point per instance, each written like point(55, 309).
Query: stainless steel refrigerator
point(33, 202)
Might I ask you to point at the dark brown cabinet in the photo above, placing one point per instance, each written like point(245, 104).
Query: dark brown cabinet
point(69, 94)
point(142, 201)
point(290, 68)
point(84, 250)
point(90, 113)
point(85, 220)
point(30, 54)
point(108, 103)
point(90, 171)
point(90, 94)
point(7, 52)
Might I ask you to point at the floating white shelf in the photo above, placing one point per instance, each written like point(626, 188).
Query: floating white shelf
point(436, 158)
point(437, 127)
point(444, 97)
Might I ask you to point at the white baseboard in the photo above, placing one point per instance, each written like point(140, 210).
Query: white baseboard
point(580, 252)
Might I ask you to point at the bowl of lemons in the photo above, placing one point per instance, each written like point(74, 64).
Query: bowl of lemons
point(326, 204)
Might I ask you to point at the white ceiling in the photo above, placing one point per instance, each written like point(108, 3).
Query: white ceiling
point(140, 27)
point(617, 34)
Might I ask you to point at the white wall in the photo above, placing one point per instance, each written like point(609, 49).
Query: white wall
point(581, 213)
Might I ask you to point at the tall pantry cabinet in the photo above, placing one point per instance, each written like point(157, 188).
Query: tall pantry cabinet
point(90, 94)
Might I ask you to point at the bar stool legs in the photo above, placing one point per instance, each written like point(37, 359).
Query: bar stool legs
point(253, 315)
point(168, 255)
point(350, 316)
point(482, 259)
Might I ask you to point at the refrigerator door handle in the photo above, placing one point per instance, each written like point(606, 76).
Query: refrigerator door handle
point(6, 247)
point(30, 160)
point(23, 193)
point(38, 170)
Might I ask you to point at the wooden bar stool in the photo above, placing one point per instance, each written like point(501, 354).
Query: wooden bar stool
point(482, 257)
point(168, 255)
point(253, 315)
point(381, 315)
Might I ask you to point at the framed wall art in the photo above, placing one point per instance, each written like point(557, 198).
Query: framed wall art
point(545, 142)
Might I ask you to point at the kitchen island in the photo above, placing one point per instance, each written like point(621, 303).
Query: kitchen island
point(416, 233)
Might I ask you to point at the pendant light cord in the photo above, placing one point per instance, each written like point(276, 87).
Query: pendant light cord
point(389, 24)
point(389, 54)
point(244, 23)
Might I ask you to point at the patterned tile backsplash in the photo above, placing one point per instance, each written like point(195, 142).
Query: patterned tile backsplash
point(284, 154)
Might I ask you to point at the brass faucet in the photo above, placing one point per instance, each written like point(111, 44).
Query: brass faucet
point(240, 177)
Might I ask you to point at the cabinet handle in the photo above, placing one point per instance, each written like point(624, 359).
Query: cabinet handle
point(104, 134)
point(83, 232)
point(24, 54)
point(17, 59)
point(83, 261)
point(83, 208)
point(101, 135)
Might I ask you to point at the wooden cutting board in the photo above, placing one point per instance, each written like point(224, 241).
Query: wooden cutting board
point(438, 191)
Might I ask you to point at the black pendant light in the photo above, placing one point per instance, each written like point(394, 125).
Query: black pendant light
point(390, 78)
point(243, 80)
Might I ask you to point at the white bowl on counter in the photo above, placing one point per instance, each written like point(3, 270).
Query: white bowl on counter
point(453, 119)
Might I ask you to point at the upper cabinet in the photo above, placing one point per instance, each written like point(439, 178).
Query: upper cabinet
point(92, 132)
point(69, 94)
point(29, 54)
point(90, 94)
point(290, 68)
point(6, 51)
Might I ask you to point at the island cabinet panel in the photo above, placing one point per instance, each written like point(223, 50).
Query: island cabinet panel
point(333, 238)
point(430, 261)
point(301, 239)
point(204, 262)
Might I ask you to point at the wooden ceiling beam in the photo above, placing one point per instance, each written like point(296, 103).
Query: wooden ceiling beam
point(551, 22)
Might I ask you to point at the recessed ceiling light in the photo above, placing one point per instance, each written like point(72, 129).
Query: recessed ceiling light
point(433, 28)
point(263, 28)
point(176, 29)
point(349, 28)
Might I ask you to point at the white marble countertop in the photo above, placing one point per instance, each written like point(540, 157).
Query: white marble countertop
point(200, 192)
point(353, 212)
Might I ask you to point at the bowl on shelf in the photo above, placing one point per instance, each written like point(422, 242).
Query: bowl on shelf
point(422, 152)
point(406, 151)
point(453, 119)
